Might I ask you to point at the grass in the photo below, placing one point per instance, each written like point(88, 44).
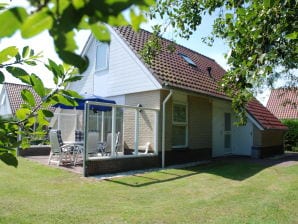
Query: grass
point(235, 192)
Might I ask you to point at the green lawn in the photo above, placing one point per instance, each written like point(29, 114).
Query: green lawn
point(238, 192)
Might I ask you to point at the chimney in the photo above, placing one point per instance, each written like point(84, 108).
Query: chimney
point(209, 71)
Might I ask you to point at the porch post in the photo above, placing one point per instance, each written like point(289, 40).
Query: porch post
point(136, 132)
point(102, 126)
point(163, 138)
point(113, 130)
point(156, 133)
point(86, 128)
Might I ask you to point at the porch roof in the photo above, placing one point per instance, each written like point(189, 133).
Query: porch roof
point(85, 98)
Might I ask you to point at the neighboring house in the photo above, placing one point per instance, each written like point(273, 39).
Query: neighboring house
point(198, 117)
point(11, 100)
point(283, 103)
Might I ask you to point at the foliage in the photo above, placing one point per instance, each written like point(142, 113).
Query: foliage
point(31, 112)
point(291, 137)
point(262, 36)
point(62, 19)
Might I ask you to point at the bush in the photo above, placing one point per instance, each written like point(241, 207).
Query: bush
point(291, 137)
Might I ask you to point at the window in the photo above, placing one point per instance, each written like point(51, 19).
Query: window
point(102, 56)
point(188, 60)
point(179, 125)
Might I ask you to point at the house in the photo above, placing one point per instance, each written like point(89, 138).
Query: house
point(283, 103)
point(195, 117)
point(11, 100)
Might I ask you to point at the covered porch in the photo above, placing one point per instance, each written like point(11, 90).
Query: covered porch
point(112, 138)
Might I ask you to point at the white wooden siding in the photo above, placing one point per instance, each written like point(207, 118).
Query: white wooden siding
point(126, 73)
point(5, 109)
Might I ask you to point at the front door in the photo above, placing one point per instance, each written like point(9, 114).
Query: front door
point(221, 131)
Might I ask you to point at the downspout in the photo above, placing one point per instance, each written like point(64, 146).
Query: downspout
point(164, 127)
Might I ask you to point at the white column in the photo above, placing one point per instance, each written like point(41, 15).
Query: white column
point(102, 126)
point(113, 131)
point(136, 132)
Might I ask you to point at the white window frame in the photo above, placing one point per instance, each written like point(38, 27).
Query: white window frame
point(106, 66)
point(177, 123)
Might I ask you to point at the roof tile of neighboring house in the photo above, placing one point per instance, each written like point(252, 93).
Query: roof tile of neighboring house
point(172, 70)
point(263, 116)
point(283, 103)
point(14, 90)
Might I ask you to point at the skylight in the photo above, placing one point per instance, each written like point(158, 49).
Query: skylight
point(187, 59)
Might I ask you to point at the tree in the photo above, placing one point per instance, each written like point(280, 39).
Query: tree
point(62, 19)
point(261, 34)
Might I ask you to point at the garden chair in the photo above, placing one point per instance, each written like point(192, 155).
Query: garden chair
point(106, 147)
point(78, 146)
point(60, 153)
point(145, 148)
point(92, 144)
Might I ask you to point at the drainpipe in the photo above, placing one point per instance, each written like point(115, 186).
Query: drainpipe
point(164, 128)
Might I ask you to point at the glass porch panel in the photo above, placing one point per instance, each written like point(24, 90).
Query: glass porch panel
point(67, 125)
point(129, 131)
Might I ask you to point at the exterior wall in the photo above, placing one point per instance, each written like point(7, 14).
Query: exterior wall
point(126, 73)
point(267, 143)
point(97, 167)
point(168, 127)
point(36, 151)
point(5, 109)
point(268, 137)
point(200, 123)
point(150, 99)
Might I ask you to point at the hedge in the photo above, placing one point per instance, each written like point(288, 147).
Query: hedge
point(291, 137)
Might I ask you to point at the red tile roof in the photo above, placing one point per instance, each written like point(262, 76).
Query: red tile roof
point(263, 116)
point(172, 70)
point(283, 103)
point(14, 90)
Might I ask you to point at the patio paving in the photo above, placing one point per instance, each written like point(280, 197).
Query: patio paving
point(44, 160)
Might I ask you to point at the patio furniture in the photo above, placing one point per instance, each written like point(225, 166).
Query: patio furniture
point(106, 147)
point(78, 146)
point(79, 136)
point(92, 144)
point(60, 152)
point(144, 148)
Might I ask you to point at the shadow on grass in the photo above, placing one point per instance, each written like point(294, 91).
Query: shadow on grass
point(237, 169)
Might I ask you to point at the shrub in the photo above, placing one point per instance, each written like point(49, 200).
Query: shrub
point(291, 137)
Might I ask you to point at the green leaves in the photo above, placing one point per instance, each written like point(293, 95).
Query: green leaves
point(1, 77)
point(136, 19)
point(8, 53)
point(22, 113)
point(11, 20)
point(19, 73)
point(28, 97)
point(8, 157)
point(37, 85)
point(101, 32)
point(268, 3)
point(37, 23)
